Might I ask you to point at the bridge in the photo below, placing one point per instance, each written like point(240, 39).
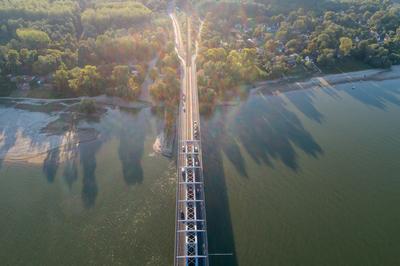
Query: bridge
point(191, 248)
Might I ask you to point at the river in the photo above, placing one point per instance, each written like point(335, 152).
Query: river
point(307, 177)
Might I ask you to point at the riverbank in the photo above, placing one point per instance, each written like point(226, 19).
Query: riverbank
point(65, 112)
point(61, 124)
point(102, 100)
point(278, 86)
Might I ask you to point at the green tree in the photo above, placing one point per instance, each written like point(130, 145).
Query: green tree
point(346, 45)
point(69, 58)
point(84, 54)
point(27, 57)
point(3, 32)
point(61, 78)
point(158, 91)
point(13, 61)
point(325, 41)
point(120, 75)
point(47, 63)
point(166, 88)
point(33, 39)
point(86, 81)
point(134, 87)
point(327, 57)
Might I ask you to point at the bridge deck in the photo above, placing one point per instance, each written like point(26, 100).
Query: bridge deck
point(191, 248)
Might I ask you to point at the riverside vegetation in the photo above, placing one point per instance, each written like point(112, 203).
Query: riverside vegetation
point(99, 47)
point(87, 48)
point(242, 43)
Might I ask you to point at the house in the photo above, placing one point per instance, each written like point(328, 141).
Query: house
point(224, 44)
point(280, 48)
point(251, 42)
point(305, 36)
point(133, 69)
point(239, 41)
point(25, 86)
point(272, 29)
point(291, 60)
point(236, 33)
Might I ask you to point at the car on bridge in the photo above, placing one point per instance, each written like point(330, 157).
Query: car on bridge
point(196, 161)
point(189, 160)
point(183, 173)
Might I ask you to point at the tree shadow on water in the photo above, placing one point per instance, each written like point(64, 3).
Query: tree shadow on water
point(131, 149)
point(227, 143)
point(268, 130)
point(70, 173)
point(71, 152)
point(51, 164)
point(219, 224)
point(232, 151)
point(88, 161)
point(303, 100)
point(375, 94)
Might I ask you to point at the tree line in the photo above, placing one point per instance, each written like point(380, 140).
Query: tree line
point(266, 39)
point(82, 47)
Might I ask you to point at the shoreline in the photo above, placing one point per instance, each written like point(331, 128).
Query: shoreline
point(101, 99)
point(278, 86)
point(163, 143)
point(266, 86)
point(62, 122)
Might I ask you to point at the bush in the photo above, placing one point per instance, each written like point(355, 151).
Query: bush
point(87, 106)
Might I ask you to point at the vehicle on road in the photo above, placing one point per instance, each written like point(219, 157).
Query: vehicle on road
point(189, 160)
point(183, 172)
point(190, 189)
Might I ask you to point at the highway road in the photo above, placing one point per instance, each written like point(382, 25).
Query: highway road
point(191, 248)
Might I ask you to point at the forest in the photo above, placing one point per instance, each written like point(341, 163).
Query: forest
point(242, 43)
point(74, 48)
point(91, 47)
